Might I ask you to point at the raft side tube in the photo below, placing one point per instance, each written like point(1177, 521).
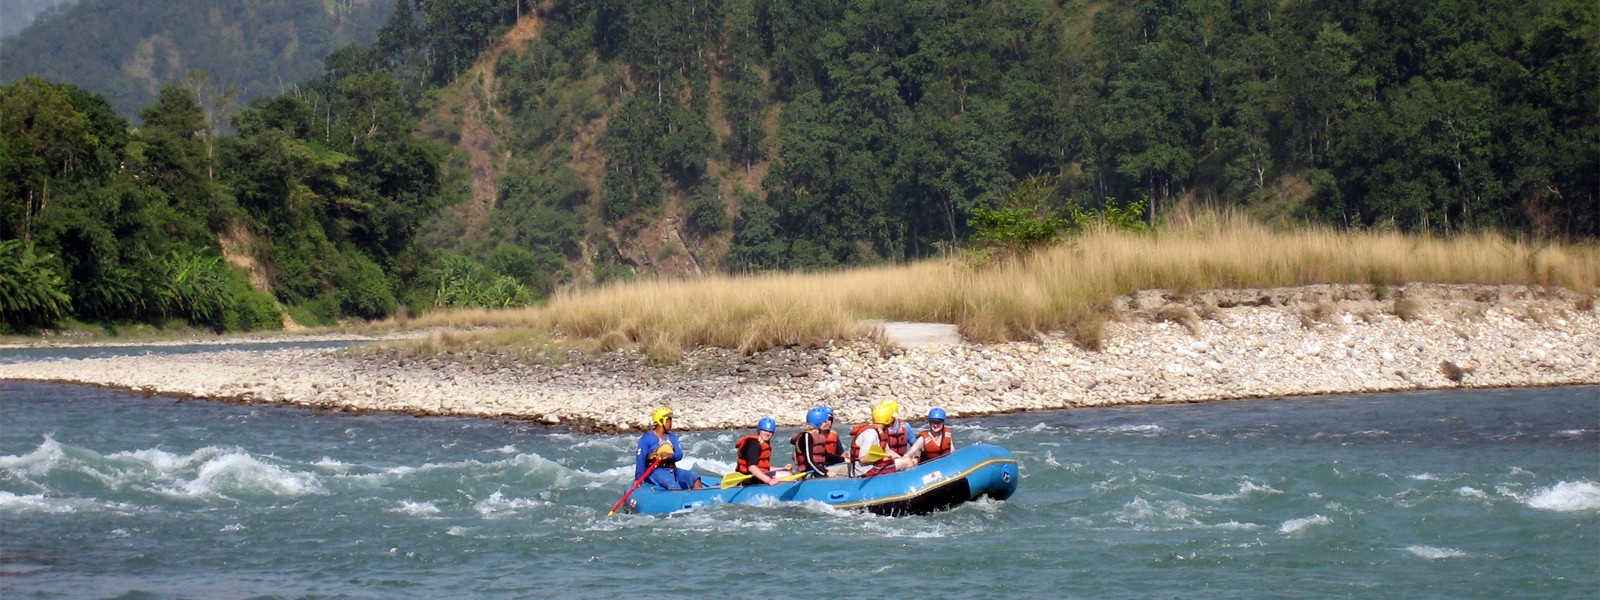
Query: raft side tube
point(969, 473)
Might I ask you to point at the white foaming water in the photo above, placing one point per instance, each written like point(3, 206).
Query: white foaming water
point(1432, 553)
point(36, 463)
point(12, 504)
point(890, 528)
point(978, 435)
point(1567, 496)
point(1246, 489)
point(566, 478)
point(330, 464)
point(416, 509)
point(1472, 492)
point(529, 465)
point(1235, 525)
point(1293, 526)
point(1148, 430)
point(1050, 459)
point(1159, 515)
point(239, 472)
point(158, 460)
point(606, 444)
point(706, 465)
point(497, 505)
point(380, 478)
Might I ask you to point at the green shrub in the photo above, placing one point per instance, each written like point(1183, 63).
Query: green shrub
point(191, 285)
point(506, 292)
point(706, 213)
point(514, 261)
point(366, 291)
point(1015, 230)
point(464, 282)
point(319, 311)
point(250, 310)
point(1022, 220)
point(32, 293)
point(1127, 218)
point(610, 272)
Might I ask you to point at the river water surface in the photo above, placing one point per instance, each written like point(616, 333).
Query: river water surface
point(1457, 494)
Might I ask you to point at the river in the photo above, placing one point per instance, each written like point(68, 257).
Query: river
point(1448, 494)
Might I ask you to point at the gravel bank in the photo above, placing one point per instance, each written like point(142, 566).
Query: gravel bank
point(1164, 347)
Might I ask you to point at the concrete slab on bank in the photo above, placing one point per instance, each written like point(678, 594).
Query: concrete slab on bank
point(909, 334)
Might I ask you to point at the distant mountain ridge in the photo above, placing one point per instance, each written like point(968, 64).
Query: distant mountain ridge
point(17, 15)
point(125, 49)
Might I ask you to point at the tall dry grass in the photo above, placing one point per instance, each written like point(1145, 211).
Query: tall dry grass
point(1069, 287)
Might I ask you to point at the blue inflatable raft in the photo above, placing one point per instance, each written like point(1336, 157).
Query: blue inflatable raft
point(969, 473)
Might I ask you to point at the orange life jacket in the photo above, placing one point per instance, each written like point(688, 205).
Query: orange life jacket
point(855, 449)
point(765, 464)
point(831, 443)
point(819, 448)
point(935, 446)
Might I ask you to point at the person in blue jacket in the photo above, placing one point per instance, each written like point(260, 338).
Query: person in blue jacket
point(660, 444)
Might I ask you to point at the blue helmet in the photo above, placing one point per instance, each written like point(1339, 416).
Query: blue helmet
point(936, 414)
point(767, 424)
point(819, 415)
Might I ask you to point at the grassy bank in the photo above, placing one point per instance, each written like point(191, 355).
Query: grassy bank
point(1067, 287)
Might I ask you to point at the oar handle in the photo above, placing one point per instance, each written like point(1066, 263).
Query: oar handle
point(636, 483)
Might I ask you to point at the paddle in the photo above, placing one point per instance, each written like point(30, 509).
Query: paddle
point(641, 479)
point(875, 454)
point(737, 478)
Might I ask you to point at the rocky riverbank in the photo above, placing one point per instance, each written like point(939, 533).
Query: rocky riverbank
point(1163, 347)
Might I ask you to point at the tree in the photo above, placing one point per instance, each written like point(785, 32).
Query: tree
point(756, 244)
point(46, 142)
point(1021, 221)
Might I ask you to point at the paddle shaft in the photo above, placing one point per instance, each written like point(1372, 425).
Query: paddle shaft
point(641, 479)
point(736, 478)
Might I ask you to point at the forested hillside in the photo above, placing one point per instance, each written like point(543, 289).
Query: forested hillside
point(812, 134)
point(125, 49)
point(486, 152)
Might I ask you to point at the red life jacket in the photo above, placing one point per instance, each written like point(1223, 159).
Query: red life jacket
point(897, 439)
point(935, 446)
point(765, 464)
point(855, 449)
point(830, 443)
point(819, 448)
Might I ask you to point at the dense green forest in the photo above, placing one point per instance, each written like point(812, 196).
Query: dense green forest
point(125, 49)
point(882, 126)
point(784, 135)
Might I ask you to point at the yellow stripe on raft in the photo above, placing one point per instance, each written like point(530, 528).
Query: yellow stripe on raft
point(918, 492)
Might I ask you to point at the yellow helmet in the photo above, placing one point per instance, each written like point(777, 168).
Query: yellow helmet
point(660, 416)
point(885, 411)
